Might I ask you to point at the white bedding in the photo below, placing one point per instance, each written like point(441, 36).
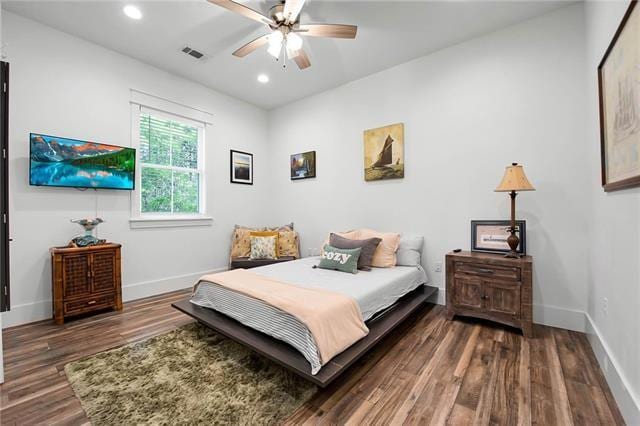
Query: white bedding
point(374, 290)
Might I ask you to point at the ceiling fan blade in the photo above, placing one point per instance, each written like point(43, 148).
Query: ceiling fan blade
point(292, 9)
point(243, 10)
point(302, 60)
point(328, 30)
point(251, 46)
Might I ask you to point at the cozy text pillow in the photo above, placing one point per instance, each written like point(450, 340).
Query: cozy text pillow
point(368, 247)
point(263, 247)
point(385, 254)
point(345, 260)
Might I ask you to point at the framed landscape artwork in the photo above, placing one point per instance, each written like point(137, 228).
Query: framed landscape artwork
point(241, 167)
point(490, 236)
point(303, 165)
point(619, 92)
point(384, 153)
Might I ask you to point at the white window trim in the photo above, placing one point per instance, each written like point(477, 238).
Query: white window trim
point(140, 220)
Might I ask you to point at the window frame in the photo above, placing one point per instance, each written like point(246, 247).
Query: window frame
point(140, 219)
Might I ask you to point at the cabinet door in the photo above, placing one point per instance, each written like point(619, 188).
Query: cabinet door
point(77, 275)
point(467, 293)
point(103, 266)
point(502, 298)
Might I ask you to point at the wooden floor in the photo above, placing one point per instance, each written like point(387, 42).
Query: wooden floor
point(430, 371)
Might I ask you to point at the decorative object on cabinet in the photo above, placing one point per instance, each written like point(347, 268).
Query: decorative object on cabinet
point(491, 287)
point(384, 153)
point(241, 167)
point(513, 181)
point(85, 279)
point(303, 165)
point(490, 236)
point(619, 96)
point(88, 239)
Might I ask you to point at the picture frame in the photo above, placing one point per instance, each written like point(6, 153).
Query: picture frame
point(241, 167)
point(384, 153)
point(619, 105)
point(303, 165)
point(490, 236)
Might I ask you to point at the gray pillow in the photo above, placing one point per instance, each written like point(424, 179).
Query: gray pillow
point(409, 250)
point(368, 247)
point(339, 259)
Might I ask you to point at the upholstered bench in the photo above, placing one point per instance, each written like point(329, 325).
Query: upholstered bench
point(246, 263)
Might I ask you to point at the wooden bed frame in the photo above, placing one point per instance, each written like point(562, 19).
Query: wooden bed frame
point(285, 355)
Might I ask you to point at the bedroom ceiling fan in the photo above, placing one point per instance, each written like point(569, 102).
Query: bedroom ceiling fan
point(283, 21)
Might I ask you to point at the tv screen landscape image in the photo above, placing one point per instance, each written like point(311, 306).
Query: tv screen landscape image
point(56, 161)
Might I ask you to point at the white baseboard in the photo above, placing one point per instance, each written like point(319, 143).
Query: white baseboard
point(42, 310)
point(628, 403)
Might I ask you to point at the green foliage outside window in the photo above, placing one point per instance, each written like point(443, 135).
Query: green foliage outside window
point(170, 180)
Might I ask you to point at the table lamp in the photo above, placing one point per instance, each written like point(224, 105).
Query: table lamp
point(513, 181)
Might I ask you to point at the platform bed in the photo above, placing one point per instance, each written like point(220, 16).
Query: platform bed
point(285, 355)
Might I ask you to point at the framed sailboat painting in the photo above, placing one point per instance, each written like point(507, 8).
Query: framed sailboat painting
point(384, 153)
point(303, 165)
point(619, 87)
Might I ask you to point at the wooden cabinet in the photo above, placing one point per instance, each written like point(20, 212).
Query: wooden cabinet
point(492, 287)
point(85, 279)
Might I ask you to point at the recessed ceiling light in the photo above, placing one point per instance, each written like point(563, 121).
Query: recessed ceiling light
point(132, 12)
point(263, 78)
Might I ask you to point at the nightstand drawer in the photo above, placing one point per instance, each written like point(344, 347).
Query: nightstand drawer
point(490, 271)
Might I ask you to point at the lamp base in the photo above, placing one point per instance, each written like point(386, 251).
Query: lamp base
point(513, 242)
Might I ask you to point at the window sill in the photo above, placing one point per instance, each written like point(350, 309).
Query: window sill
point(169, 222)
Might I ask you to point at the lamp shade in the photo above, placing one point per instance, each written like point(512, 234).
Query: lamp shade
point(514, 179)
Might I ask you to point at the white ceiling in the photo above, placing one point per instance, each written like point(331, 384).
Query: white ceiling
point(389, 33)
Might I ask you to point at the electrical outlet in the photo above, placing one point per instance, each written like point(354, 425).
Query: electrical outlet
point(605, 306)
point(311, 252)
point(438, 267)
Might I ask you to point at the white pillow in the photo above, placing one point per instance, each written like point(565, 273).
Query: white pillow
point(409, 250)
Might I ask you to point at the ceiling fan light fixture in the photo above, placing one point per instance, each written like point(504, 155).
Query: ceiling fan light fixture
point(294, 42)
point(276, 39)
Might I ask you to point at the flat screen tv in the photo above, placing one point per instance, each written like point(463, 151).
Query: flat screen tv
point(56, 161)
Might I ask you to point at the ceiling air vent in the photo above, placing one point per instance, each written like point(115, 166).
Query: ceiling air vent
point(192, 52)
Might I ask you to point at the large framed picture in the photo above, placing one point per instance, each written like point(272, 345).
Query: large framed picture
point(490, 236)
point(619, 94)
point(241, 167)
point(303, 165)
point(384, 153)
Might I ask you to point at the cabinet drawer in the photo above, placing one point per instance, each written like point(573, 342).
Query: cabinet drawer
point(89, 304)
point(492, 271)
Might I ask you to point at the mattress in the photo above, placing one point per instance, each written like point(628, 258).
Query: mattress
point(373, 290)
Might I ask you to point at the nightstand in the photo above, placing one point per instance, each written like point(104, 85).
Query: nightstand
point(492, 287)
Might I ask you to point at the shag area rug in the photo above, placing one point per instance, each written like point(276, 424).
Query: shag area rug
point(191, 375)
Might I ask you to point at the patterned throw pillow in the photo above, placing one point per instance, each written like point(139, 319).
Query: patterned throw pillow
point(288, 244)
point(263, 247)
point(345, 260)
point(241, 243)
point(267, 234)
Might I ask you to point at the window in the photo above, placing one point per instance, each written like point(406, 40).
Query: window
point(170, 169)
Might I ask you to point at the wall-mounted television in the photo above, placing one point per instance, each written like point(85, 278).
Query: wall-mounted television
point(56, 161)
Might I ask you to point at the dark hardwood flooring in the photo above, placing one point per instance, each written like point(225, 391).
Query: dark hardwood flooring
point(429, 371)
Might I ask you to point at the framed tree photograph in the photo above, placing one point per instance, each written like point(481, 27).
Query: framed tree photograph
point(303, 165)
point(490, 236)
point(241, 167)
point(619, 95)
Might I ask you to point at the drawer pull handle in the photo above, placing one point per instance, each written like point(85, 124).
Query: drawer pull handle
point(91, 302)
point(485, 271)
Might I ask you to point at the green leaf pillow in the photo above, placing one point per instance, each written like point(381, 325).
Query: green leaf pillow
point(345, 260)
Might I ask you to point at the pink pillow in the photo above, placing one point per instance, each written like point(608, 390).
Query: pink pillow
point(385, 254)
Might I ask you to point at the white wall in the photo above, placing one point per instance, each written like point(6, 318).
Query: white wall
point(469, 110)
point(64, 86)
point(614, 243)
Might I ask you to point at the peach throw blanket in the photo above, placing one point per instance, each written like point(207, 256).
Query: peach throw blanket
point(334, 320)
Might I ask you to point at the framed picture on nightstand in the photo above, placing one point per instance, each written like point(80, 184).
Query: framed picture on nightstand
point(490, 236)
